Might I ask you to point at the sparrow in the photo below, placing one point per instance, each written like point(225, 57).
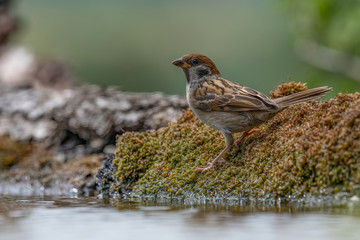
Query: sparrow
point(228, 106)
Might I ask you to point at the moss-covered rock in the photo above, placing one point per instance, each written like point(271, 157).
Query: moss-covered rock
point(31, 169)
point(11, 152)
point(310, 148)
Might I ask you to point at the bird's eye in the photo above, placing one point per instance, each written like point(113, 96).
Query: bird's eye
point(195, 61)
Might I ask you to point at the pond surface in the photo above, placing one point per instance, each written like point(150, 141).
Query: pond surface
point(91, 218)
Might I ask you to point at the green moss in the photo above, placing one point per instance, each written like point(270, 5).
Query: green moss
point(310, 148)
point(286, 89)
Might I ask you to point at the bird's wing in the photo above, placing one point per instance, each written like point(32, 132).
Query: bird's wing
point(219, 94)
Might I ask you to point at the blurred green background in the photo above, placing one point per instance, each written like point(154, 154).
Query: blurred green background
point(131, 43)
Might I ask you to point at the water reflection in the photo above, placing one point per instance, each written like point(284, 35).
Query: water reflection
point(62, 218)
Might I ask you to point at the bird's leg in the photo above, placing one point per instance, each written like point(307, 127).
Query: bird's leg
point(244, 135)
point(229, 140)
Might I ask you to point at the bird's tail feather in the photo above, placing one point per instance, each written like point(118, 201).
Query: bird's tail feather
point(304, 96)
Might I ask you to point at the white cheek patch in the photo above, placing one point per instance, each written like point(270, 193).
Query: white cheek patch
point(197, 72)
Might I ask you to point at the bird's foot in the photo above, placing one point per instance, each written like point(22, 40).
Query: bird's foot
point(210, 165)
point(244, 135)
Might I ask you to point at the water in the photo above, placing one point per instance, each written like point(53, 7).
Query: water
point(91, 218)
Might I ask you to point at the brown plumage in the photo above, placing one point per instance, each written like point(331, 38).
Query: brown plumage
point(228, 106)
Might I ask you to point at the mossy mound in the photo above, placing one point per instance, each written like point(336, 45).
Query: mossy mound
point(310, 148)
point(286, 89)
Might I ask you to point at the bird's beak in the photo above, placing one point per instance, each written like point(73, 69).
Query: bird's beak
point(181, 63)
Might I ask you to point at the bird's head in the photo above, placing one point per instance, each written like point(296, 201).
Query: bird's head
point(196, 66)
